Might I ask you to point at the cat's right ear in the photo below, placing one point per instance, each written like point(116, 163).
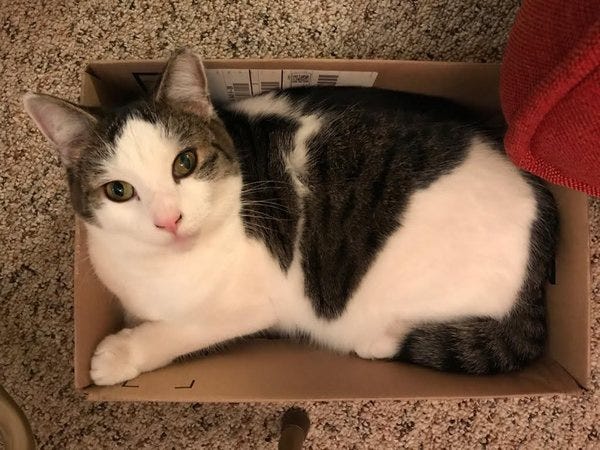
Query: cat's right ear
point(183, 84)
point(65, 125)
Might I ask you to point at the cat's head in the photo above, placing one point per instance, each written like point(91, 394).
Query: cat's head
point(159, 170)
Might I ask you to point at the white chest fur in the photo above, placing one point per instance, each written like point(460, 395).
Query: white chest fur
point(165, 283)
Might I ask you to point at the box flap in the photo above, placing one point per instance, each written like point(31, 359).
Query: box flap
point(473, 84)
point(568, 299)
point(96, 312)
point(268, 370)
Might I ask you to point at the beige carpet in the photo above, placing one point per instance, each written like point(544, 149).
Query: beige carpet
point(45, 48)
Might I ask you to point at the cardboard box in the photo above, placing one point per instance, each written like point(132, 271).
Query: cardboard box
point(272, 369)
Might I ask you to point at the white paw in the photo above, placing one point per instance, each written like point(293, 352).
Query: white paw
point(114, 360)
point(380, 349)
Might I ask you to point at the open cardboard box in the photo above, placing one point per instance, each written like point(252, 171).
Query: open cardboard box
point(272, 369)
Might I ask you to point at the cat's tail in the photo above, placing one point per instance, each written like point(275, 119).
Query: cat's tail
point(486, 345)
point(479, 345)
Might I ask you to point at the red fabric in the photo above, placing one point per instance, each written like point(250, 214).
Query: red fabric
point(550, 92)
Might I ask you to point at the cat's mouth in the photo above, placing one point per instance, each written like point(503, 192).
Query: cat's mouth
point(182, 240)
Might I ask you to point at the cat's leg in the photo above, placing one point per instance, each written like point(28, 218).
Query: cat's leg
point(124, 355)
point(383, 344)
point(384, 347)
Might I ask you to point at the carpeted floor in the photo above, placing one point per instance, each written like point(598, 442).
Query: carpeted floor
point(45, 48)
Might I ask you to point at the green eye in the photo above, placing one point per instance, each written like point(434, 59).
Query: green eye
point(119, 191)
point(184, 163)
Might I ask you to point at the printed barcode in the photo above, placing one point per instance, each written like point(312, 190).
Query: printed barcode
point(266, 86)
point(241, 90)
point(327, 80)
point(300, 78)
point(236, 91)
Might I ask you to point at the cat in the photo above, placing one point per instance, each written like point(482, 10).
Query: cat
point(378, 223)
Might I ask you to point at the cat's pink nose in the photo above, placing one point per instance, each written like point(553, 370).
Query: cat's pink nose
point(168, 222)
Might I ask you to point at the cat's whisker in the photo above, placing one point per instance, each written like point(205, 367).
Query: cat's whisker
point(265, 185)
point(260, 189)
point(258, 194)
point(265, 182)
point(253, 214)
point(260, 199)
point(258, 229)
point(265, 204)
point(256, 215)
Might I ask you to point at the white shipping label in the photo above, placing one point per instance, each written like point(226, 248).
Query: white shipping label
point(229, 84)
point(296, 78)
point(237, 84)
point(265, 81)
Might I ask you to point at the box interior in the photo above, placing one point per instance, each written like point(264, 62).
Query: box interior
point(278, 369)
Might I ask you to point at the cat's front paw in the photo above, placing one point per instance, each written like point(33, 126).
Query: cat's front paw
point(114, 360)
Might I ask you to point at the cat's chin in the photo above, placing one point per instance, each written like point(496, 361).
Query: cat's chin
point(184, 241)
point(180, 242)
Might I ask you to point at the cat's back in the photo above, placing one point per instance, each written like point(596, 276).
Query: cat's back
point(360, 175)
point(373, 101)
point(327, 135)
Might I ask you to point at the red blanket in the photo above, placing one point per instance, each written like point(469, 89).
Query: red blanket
point(550, 92)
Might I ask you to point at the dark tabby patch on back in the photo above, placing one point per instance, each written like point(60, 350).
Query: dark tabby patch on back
point(377, 150)
point(270, 207)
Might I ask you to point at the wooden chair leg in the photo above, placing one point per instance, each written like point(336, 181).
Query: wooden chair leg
point(294, 429)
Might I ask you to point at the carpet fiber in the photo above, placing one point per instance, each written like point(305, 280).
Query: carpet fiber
point(44, 48)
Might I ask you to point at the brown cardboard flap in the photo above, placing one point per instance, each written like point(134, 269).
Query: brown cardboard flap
point(568, 299)
point(97, 313)
point(267, 370)
point(473, 84)
point(90, 90)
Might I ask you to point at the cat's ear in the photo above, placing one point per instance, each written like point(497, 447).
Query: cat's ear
point(183, 84)
point(64, 124)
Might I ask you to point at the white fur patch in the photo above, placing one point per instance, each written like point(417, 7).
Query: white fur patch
point(267, 104)
point(297, 160)
point(308, 126)
point(462, 250)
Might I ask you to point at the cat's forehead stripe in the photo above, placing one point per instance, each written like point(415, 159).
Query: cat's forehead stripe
point(121, 116)
point(147, 149)
point(140, 138)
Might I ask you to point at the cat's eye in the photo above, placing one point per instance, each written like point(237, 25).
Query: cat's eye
point(119, 191)
point(185, 163)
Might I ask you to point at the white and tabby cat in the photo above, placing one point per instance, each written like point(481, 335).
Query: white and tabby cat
point(376, 222)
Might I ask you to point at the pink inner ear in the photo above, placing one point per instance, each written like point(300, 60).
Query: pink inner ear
point(184, 85)
point(63, 125)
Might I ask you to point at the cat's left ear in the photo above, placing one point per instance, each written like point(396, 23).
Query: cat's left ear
point(183, 84)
